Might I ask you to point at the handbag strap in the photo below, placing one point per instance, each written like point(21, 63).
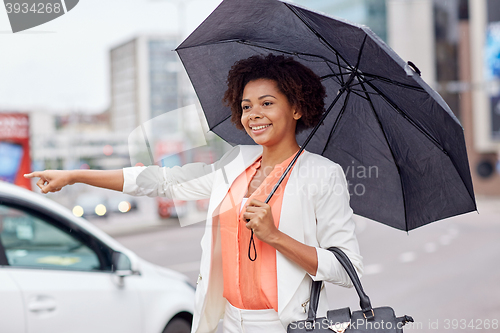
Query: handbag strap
point(364, 300)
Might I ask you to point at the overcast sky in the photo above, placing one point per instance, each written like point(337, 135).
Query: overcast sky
point(63, 64)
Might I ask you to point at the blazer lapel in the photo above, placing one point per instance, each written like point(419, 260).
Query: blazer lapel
point(230, 171)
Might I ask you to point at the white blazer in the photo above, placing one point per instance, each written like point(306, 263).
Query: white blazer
point(315, 211)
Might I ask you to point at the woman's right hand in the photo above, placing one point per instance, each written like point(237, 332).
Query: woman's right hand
point(51, 180)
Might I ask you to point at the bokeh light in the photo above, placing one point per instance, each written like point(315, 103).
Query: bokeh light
point(100, 210)
point(107, 150)
point(124, 206)
point(78, 211)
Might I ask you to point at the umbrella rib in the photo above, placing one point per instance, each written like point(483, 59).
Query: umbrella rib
point(326, 60)
point(321, 38)
point(360, 81)
point(260, 46)
point(360, 52)
point(358, 93)
point(361, 91)
point(337, 120)
point(340, 70)
point(341, 75)
point(207, 44)
point(295, 53)
point(334, 78)
point(405, 115)
point(387, 80)
point(392, 154)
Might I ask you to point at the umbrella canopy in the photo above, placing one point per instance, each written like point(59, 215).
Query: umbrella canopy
point(401, 147)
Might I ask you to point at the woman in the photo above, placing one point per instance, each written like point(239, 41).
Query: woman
point(271, 98)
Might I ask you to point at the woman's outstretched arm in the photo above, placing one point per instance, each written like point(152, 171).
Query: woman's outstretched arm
point(55, 180)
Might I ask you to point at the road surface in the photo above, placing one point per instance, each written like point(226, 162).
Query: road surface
point(446, 274)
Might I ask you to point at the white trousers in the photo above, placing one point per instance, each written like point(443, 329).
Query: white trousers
point(251, 321)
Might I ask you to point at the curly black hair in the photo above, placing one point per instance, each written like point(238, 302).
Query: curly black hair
point(297, 82)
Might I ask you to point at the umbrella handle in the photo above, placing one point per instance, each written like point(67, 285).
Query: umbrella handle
point(252, 244)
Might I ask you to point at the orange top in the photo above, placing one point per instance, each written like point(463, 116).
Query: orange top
point(250, 285)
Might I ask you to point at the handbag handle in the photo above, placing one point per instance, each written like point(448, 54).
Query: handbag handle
point(364, 300)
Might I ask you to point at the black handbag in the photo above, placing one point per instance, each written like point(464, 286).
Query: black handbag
point(368, 319)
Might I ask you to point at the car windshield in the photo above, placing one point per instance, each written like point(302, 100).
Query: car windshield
point(33, 242)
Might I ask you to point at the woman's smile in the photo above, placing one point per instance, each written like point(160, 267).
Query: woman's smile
point(257, 129)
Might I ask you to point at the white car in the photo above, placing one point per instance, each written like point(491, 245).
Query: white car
point(61, 274)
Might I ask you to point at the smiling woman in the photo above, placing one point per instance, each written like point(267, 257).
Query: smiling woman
point(271, 98)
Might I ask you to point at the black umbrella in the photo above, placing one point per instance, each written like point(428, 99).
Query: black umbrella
point(400, 145)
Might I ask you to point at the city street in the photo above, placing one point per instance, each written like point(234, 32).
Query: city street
point(446, 274)
point(403, 95)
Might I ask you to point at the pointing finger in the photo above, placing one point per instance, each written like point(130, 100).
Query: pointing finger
point(32, 174)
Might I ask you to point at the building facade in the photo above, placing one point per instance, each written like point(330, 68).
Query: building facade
point(371, 13)
point(144, 81)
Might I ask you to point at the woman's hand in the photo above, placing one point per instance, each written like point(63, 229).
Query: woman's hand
point(51, 180)
point(261, 221)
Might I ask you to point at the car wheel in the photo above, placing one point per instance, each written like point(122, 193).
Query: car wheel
point(178, 325)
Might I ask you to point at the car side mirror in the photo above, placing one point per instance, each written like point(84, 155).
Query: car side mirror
point(122, 267)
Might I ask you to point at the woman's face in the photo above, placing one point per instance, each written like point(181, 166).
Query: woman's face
point(267, 115)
